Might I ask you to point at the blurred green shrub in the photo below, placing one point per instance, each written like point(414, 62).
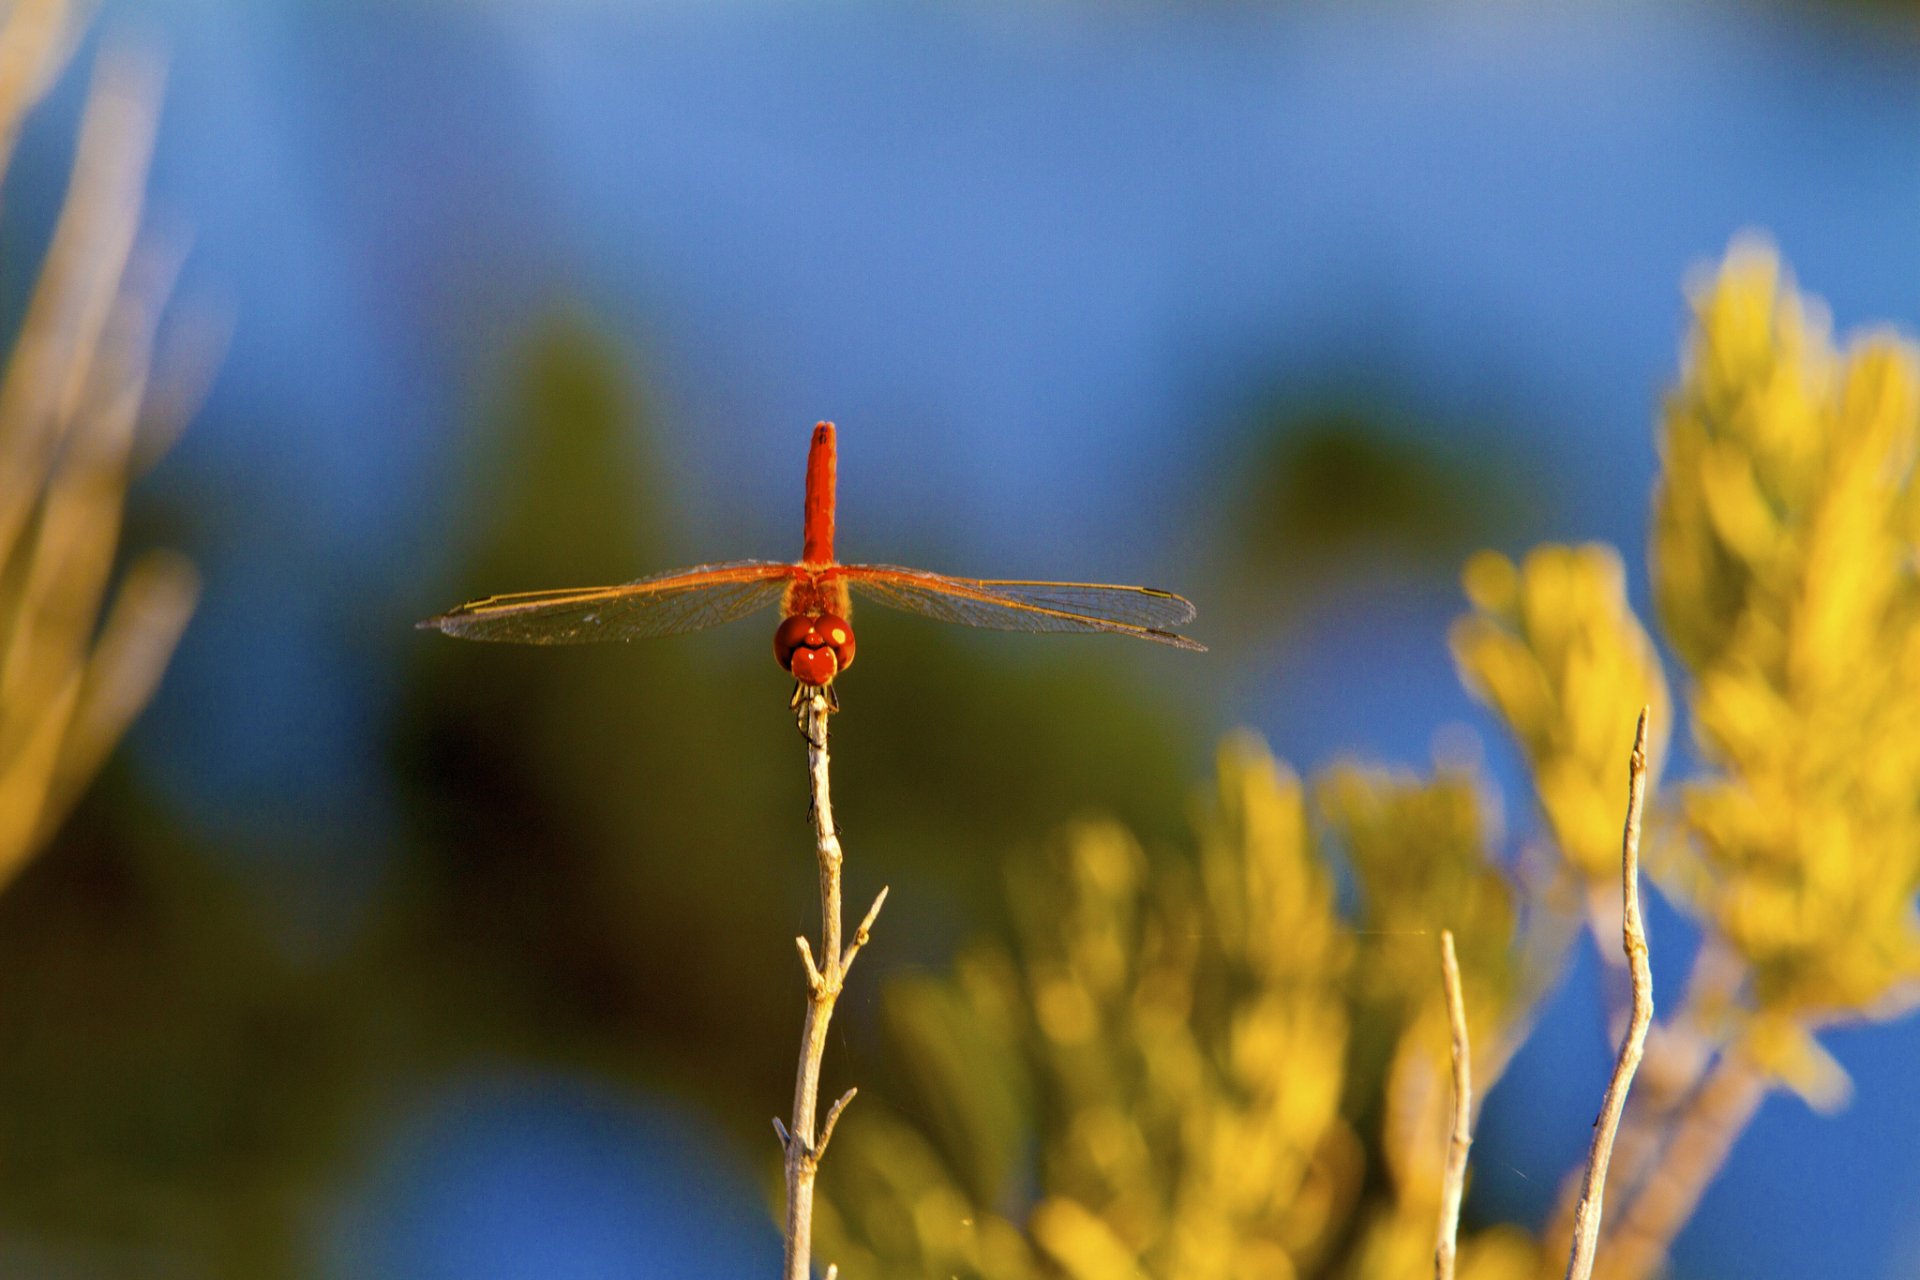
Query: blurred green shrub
point(1211, 1063)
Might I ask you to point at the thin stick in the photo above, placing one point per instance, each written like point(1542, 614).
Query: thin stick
point(1679, 1052)
point(825, 977)
point(1455, 1183)
point(1586, 1217)
point(1713, 1118)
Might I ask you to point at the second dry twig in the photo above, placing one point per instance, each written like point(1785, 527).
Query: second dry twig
point(1586, 1217)
point(1453, 1186)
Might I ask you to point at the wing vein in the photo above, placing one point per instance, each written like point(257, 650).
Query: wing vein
point(1017, 605)
point(664, 604)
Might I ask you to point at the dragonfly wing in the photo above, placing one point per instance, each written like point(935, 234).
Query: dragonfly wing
point(667, 604)
point(1010, 605)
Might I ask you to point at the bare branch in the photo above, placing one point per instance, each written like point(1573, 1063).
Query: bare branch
point(1455, 1182)
point(1704, 1133)
point(1586, 1219)
point(815, 980)
point(825, 979)
point(863, 934)
point(833, 1118)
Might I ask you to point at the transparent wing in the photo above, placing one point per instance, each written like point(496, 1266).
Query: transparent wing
point(1005, 605)
point(670, 603)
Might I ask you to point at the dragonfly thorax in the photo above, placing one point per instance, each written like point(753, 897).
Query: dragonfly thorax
point(814, 648)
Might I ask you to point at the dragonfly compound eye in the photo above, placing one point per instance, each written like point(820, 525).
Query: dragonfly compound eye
point(790, 635)
point(814, 666)
point(837, 633)
point(815, 649)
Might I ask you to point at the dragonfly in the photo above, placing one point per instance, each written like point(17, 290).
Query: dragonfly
point(814, 642)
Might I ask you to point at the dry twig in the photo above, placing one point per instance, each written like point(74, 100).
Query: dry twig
point(1586, 1218)
point(1455, 1182)
point(1707, 1126)
point(1677, 1056)
point(825, 977)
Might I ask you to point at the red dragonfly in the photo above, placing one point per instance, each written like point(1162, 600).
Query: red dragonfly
point(814, 641)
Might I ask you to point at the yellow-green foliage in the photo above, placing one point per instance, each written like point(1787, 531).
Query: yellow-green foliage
point(1158, 1079)
point(1554, 647)
point(1783, 565)
point(1783, 555)
point(1213, 1064)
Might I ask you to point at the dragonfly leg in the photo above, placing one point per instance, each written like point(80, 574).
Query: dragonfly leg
point(805, 701)
point(802, 706)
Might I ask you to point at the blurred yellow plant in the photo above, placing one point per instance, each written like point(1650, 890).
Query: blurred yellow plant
point(72, 396)
point(1783, 563)
point(1208, 1054)
point(1784, 543)
point(1554, 647)
point(1782, 554)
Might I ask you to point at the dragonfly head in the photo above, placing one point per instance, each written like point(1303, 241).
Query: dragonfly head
point(814, 648)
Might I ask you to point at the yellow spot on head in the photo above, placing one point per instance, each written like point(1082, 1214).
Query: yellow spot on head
point(839, 636)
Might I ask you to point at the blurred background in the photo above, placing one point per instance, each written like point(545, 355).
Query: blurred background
point(374, 954)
